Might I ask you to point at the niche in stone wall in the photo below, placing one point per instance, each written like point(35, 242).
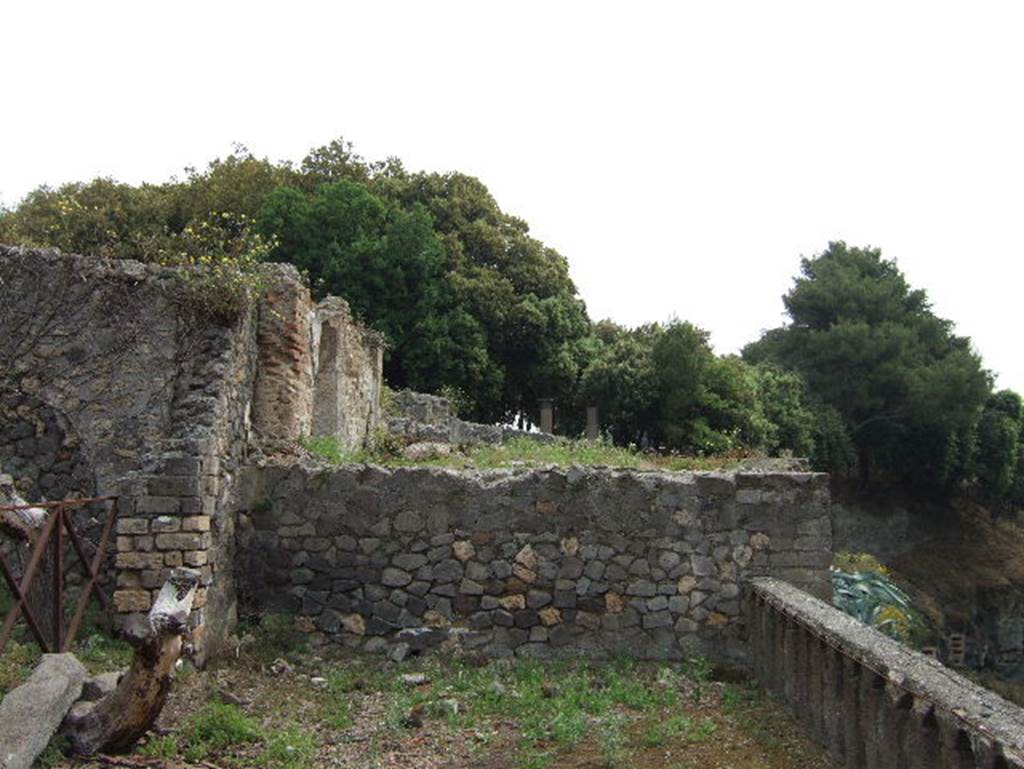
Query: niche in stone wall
point(41, 451)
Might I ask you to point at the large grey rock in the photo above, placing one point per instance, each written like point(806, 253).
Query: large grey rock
point(30, 714)
point(98, 687)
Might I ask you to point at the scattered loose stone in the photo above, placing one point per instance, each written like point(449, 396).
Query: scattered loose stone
point(398, 652)
point(419, 452)
point(281, 667)
point(414, 718)
point(448, 707)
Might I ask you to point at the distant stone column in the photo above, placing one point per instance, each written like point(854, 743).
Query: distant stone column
point(593, 428)
point(282, 404)
point(346, 402)
point(547, 416)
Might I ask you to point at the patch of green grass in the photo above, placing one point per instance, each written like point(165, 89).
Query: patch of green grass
point(748, 708)
point(554, 705)
point(216, 726)
point(16, 664)
point(535, 759)
point(274, 636)
point(518, 451)
point(100, 653)
point(165, 747)
point(53, 754)
point(660, 732)
point(561, 453)
point(338, 708)
point(615, 742)
point(289, 749)
point(328, 448)
point(698, 669)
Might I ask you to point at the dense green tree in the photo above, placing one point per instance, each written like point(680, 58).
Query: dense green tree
point(662, 386)
point(789, 420)
point(101, 217)
point(514, 327)
point(621, 382)
point(392, 268)
point(998, 445)
point(681, 358)
point(870, 347)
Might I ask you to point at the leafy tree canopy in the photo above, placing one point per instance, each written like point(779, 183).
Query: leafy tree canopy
point(906, 387)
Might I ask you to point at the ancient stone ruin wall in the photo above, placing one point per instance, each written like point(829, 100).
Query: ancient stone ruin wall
point(874, 702)
point(319, 372)
point(542, 562)
point(111, 382)
point(422, 417)
point(348, 377)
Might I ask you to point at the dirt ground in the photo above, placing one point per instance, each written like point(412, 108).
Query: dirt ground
point(454, 711)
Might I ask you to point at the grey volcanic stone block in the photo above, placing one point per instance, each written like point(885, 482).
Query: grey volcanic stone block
point(548, 560)
point(30, 714)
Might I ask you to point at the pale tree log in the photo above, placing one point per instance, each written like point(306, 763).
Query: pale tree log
point(24, 521)
point(115, 723)
point(24, 525)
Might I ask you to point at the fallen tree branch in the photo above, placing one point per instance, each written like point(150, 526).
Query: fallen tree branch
point(115, 723)
point(22, 521)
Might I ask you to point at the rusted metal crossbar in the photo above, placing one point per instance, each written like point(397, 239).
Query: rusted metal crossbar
point(51, 537)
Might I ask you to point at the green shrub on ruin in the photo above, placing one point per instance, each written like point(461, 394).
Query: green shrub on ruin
point(218, 263)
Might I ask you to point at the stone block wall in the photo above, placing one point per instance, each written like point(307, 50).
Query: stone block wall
point(348, 379)
point(422, 417)
point(320, 373)
point(533, 563)
point(112, 383)
point(873, 701)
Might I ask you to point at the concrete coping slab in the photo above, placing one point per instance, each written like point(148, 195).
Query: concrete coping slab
point(976, 709)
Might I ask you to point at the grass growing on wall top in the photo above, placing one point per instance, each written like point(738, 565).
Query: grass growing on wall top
point(515, 453)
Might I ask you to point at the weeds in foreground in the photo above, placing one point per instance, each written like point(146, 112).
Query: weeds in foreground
point(615, 742)
point(617, 713)
point(289, 749)
point(216, 726)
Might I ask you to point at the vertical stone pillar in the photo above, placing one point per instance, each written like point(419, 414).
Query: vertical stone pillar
point(872, 712)
point(593, 427)
point(547, 416)
point(346, 399)
point(778, 654)
point(954, 745)
point(896, 705)
point(791, 670)
point(853, 734)
point(816, 650)
point(832, 696)
point(759, 634)
point(921, 738)
point(282, 405)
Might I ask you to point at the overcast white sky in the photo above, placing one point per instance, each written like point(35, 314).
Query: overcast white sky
point(681, 155)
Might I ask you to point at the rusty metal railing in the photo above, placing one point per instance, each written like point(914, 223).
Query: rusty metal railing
point(51, 536)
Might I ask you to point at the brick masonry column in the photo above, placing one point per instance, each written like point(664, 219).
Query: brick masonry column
point(283, 398)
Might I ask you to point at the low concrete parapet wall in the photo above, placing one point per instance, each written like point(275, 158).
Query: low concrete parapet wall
point(873, 701)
